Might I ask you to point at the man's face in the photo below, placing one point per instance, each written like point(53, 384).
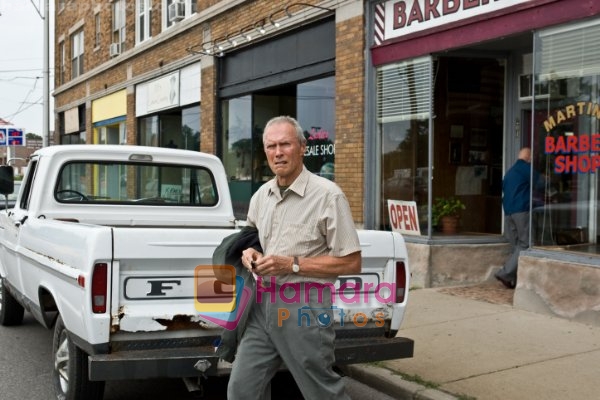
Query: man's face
point(284, 152)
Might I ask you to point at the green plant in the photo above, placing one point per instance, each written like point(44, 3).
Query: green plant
point(445, 206)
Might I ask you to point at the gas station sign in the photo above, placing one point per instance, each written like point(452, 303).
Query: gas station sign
point(12, 137)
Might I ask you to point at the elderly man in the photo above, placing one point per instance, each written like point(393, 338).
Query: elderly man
point(307, 235)
point(515, 201)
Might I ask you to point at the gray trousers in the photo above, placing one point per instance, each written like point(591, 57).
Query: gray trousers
point(517, 234)
point(299, 342)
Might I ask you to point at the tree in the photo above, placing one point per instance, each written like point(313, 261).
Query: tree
point(32, 136)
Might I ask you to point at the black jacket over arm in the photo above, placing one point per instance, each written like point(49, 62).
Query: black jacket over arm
point(229, 252)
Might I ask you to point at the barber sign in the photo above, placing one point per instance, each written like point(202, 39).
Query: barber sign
point(403, 217)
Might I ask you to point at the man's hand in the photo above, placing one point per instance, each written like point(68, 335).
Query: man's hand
point(249, 258)
point(272, 265)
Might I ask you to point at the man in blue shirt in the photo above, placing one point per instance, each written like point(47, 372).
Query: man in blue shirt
point(516, 203)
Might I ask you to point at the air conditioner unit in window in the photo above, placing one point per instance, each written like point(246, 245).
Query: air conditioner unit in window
point(115, 49)
point(176, 11)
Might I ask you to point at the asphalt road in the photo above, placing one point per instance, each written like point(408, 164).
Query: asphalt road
point(26, 365)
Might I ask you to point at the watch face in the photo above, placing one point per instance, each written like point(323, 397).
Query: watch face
point(295, 268)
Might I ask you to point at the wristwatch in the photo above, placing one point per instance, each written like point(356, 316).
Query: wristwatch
point(295, 266)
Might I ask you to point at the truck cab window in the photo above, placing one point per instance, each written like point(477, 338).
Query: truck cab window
point(139, 183)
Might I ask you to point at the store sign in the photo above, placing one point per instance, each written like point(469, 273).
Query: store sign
point(404, 218)
point(409, 16)
point(12, 137)
point(319, 155)
point(318, 143)
point(163, 93)
point(573, 154)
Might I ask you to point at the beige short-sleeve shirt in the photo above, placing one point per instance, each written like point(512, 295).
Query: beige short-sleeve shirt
point(312, 218)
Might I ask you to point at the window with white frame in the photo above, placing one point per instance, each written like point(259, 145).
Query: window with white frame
point(77, 54)
point(118, 24)
point(143, 26)
point(178, 10)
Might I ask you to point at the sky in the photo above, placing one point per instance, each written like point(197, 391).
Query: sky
point(22, 64)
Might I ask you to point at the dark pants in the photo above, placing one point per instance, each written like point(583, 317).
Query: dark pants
point(517, 234)
point(270, 341)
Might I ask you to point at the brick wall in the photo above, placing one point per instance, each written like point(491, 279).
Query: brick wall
point(349, 146)
point(208, 109)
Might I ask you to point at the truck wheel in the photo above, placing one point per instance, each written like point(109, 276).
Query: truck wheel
point(70, 373)
point(11, 312)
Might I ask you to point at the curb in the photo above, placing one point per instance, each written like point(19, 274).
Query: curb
point(392, 384)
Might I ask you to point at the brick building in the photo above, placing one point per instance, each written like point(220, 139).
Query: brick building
point(207, 75)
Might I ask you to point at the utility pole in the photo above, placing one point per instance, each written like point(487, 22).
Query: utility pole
point(46, 70)
point(46, 74)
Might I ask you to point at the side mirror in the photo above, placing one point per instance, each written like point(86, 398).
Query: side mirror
point(7, 180)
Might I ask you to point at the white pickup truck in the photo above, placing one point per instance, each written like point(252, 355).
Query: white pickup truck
point(103, 246)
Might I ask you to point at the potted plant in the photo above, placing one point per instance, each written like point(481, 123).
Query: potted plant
point(445, 213)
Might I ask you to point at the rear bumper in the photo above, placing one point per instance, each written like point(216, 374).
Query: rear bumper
point(144, 364)
point(354, 351)
point(180, 362)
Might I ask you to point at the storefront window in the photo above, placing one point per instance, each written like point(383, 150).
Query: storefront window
point(315, 103)
point(451, 108)
point(148, 131)
point(403, 111)
point(73, 138)
point(113, 132)
point(190, 128)
point(237, 151)
point(566, 138)
point(177, 129)
point(468, 140)
point(74, 135)
point(312, 103)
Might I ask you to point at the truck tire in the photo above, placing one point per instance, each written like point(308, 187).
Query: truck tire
point(70, 373)
point(11, 312)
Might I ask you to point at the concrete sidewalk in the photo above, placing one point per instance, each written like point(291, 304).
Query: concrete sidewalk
point(473, 349)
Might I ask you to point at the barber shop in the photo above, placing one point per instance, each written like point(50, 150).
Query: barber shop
point(458, 88)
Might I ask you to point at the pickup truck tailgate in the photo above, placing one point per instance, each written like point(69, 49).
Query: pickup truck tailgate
point(155, 277)
point(155, 281)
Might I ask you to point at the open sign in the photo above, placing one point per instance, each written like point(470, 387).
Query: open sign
point(404, 217)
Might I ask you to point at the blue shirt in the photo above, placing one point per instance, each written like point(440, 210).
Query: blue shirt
point(516, 187)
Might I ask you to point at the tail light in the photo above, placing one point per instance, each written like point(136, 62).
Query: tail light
point(99, 288)
point(400, 281)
